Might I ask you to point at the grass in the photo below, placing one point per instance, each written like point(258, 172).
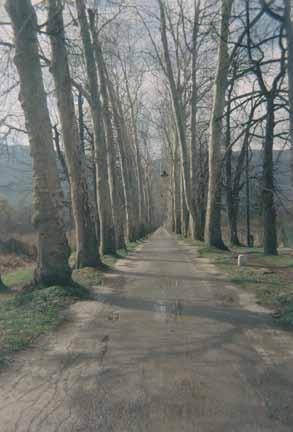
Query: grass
point(270, 278)
point(110, 260)
point(25, 316)
point(19, 277)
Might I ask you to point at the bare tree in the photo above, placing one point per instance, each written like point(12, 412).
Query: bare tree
point(181, 121)
point(87, 248)
point(270, 91)
point(105, 205)
point(127, 176)
point(287, 20)
point(134, 136)
point(118, 214)
point(53, 251)
point(213, 235)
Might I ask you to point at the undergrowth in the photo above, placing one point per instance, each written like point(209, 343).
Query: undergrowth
point(270, 278)
point(25, 316)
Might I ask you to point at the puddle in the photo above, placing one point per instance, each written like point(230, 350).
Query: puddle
point(164, 311)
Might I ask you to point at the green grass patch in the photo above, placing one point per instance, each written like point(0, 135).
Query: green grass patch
point(266, 276)
point(88, 277)
point(25, 316)
point(18, 277)
point(110, 260)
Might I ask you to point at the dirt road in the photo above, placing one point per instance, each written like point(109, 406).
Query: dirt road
point(168, 346)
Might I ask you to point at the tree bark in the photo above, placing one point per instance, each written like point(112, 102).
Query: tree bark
point(108, 238)
point(196, 222)
point(93, 169)
point(148, 191)
point(213, 234)
point(87, 248)
point(61, 159)
point(184, 210)
point(289, 33)
point(177, 201)
point(177, 187)
point(247, 199)
point(53, 251)
point(232, 203)
point(232, 186)
point(269, 212)
point(81, 121)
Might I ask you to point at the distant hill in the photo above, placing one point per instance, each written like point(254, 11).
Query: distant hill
point(16, 174)
point(282, 171)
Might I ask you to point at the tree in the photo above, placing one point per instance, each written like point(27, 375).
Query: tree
point(197, 205)
point(105, 205)
point(87, 248)
point(213, 235)
point(127, 177)
point(181, 124)
point(270, 92)
point(118, 215)
point(53, 251)
point(287, 21)
point(134, 136)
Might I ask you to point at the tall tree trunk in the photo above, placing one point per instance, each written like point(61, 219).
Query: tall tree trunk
point(53, 251)
point(147, 188)
point(184, 210)
point(177, 201)
point(93, 169)
point(269, 212)
point(213, 234)
point(232, 202)
point(87, 248)
point(60, 155)
point(289, 32)
point(81, 121)
point(61, 159)
point(172, 194)
point(247, 199)
point(196, 222)
point(108, 238)
point(232, 194)
point(177, 189)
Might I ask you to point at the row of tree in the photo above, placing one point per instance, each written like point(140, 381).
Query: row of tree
point(110, 183)
point(217, 113)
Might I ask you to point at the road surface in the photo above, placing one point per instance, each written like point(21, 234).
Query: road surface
point(168, 346)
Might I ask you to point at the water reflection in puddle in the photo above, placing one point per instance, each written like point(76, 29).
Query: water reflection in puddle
point(165, 311)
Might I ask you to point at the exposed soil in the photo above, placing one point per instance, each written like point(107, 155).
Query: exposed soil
point(12, 262)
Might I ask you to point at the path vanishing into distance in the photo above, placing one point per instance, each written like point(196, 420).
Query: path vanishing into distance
point(169, 345)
